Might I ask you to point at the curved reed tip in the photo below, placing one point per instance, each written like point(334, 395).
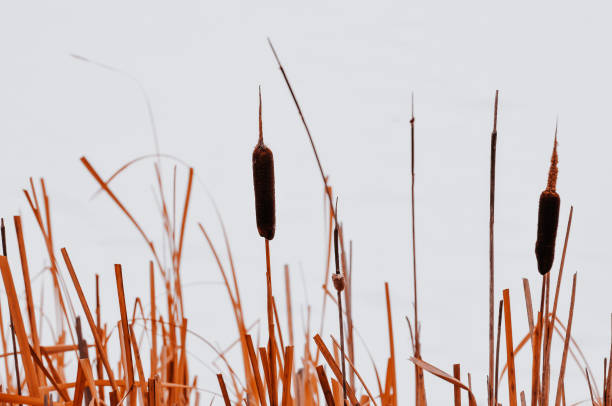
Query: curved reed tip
point(553, 171)
point(260, 142)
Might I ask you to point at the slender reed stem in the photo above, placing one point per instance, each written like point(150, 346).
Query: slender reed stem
point(491, 252)
point(339, 285)
point(499, 319)
point(299, 109)
point(271, 354)
point(420, 399)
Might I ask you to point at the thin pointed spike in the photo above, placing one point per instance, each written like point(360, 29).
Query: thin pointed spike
point(495, 111)
point(553, 171)
point(260, 120)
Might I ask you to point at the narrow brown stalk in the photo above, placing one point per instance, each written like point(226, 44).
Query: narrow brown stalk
point(568, 335)
point(261, 392)
point(608, 398)
point(535, 364)
point(27, 285)
point(339, 283)
point(499, 319)
point(299, 109)
point(125, 330)
point(223, 390)
point(418, 372)
point(287, 372)
point(509, 349)
point(327, 393)
point(271, 349)
point(590, 388)
point(333, 366)
point(288, 302)
point(457, 389)
point(99, 366)
point(491, 251)
point(18, 327)
point(549, 332)
point(391, 344)
point(86, 310)
point(528, 304)
point(47, 374)
point(18, 379)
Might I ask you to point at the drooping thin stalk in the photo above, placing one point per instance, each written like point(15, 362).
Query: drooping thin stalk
point(299, 109)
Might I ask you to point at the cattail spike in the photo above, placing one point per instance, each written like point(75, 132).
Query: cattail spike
point(548, 217)
point(553, 171)
point(263, 182)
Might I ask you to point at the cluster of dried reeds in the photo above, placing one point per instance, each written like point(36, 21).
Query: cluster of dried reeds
point(324, 371)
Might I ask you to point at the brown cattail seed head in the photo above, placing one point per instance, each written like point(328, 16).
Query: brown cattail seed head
point(263, 181)
point(338, 280)
point(548, 218)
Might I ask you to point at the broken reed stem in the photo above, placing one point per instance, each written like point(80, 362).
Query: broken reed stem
point(287, 372)
point(27, 285)
point(457, 389)
point(566, 343)
point(333, 366)
point(509, 349)
point(31, 376)
point(358, 375)
point(92, 326)
point(18, 379)
point(535, 364)
point(327, 393)
point(391, 344)
point(125, 330)
point(261, 392)
point(223, 390)
point(491, 251)
point(499, 319)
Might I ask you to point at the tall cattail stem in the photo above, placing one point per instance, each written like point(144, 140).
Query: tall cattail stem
point(271, 348)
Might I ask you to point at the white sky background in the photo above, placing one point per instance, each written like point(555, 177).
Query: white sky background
point(353, 66)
